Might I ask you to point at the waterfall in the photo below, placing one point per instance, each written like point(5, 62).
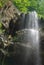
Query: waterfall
point(29, 40)
point(32, 28)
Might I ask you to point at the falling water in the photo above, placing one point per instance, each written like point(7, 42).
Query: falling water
point(30, 41)
point(32, 28)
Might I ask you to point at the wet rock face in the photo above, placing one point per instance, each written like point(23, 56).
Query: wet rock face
point(41, 22)
point(18, 25)
point(42, 45)
point(9, 11)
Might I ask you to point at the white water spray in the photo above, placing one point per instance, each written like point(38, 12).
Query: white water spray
point(33, 36)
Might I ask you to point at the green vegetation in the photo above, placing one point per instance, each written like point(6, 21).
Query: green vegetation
point(28, 5)
point(1, 28)
point(22, 4)
point(0, 25)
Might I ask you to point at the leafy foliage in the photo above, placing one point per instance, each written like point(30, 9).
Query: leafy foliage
point(27, 5)
point(30, 5)
point(22, 4)
point(1, 28)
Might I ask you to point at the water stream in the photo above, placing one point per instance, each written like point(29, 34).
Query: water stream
point(32, 28)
